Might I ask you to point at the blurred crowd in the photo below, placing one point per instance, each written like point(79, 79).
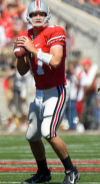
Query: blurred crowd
point(12, 20)
point(81, 74)
point(84, 111)
point(95, 3)
point(15, 88)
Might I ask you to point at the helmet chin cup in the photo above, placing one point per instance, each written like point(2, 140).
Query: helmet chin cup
point(39, 22)
point(42, 22)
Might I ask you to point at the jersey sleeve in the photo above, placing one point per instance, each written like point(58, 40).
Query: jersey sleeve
point(57, 36)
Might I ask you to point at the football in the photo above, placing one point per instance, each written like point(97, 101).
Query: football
point(19, 51)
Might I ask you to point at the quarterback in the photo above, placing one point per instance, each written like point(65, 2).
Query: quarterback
point(45, 58)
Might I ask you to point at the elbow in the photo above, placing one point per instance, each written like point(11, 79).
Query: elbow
point(55, 64)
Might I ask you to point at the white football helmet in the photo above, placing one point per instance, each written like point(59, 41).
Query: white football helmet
point(38, 6)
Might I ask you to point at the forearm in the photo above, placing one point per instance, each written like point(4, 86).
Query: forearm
point(22, 65)
point(53, 58)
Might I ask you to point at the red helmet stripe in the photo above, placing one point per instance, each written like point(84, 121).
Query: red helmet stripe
point(37, 4)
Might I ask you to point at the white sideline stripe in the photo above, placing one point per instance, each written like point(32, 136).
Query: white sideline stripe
point(15, 147)
point(8, 182)
point(53, 165)
point(47, 146)
point(53, 173)
point(14, 173)
point(25, 165)
point(27, 160)
point(28, 151)
point(49, 159)
point(72, 153)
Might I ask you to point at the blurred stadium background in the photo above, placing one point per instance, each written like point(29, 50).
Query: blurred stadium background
point(82, 19)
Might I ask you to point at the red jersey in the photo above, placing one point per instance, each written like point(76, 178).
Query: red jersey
point(45, 76)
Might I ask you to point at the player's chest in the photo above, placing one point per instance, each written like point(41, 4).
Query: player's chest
point(40, 42)
point(36, 65)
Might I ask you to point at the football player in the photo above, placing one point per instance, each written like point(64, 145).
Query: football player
point(46, 46)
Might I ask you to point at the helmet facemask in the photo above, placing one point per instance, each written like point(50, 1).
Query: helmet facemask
point(42, 21)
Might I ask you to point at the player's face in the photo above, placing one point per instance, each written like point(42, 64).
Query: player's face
point(38, 18)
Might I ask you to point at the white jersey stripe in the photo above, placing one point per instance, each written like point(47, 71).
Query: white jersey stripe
point(56, 38)
point(61, 39)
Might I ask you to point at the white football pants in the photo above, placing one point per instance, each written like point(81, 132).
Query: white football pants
point(46, 112)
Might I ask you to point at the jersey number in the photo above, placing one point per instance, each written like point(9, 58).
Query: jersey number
point(40, 70)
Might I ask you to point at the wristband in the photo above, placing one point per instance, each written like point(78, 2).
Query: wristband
point(44, 57)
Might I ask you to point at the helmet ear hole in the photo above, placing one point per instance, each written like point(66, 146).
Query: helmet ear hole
point(30, 15)
point(45, 14)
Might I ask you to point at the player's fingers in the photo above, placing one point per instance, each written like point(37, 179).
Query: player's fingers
point(25, 38)
point(20, 43)
point(20, 38)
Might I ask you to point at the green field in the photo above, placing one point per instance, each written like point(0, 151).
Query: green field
point(15, 154)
